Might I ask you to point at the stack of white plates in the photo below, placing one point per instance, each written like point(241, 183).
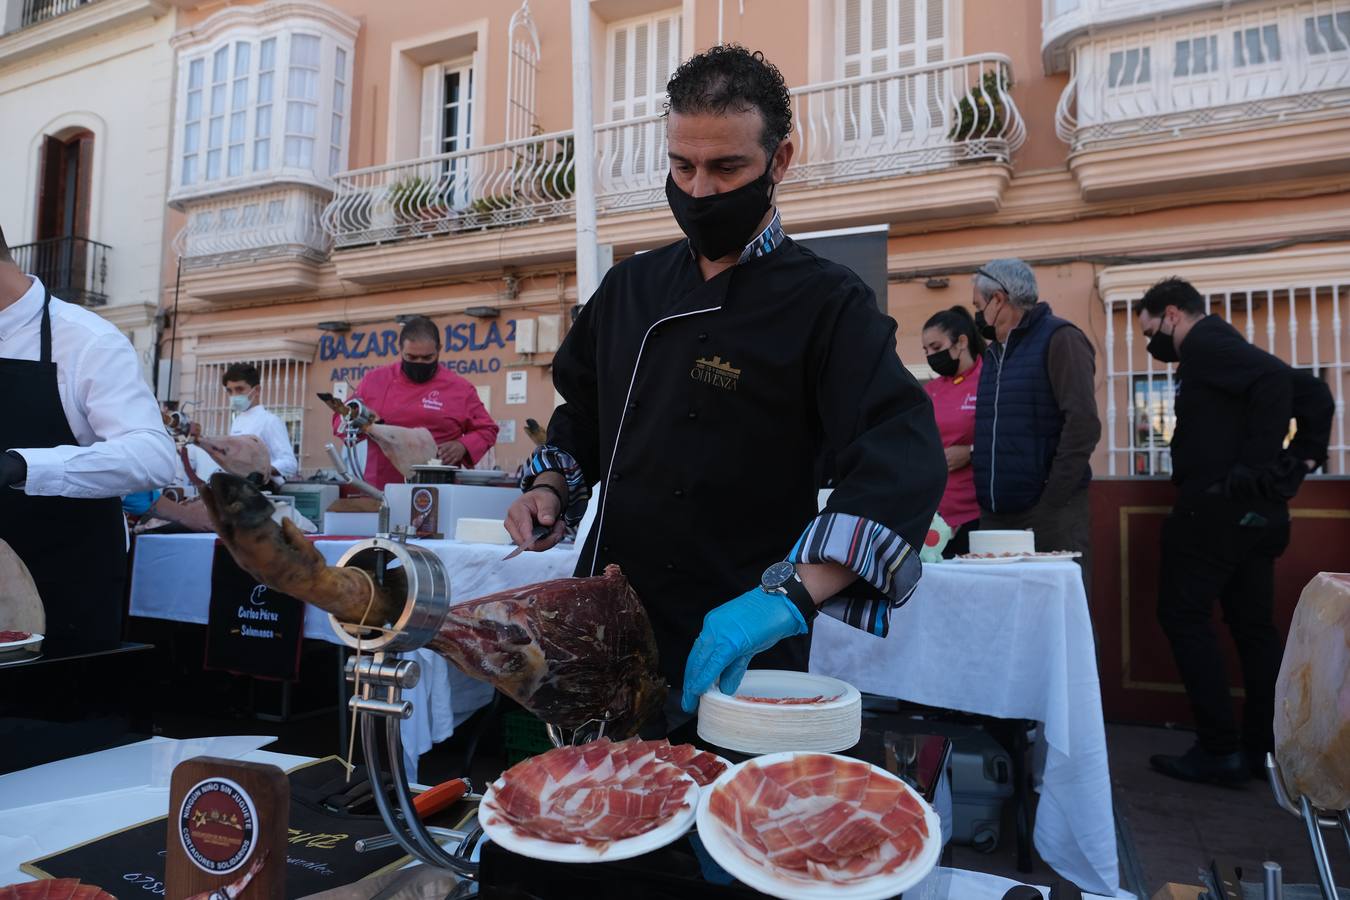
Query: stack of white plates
point(747, 726)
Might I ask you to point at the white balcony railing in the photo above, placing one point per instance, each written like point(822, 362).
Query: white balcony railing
point(871, 127)
point(1254, 64)
point(276, 221)
point(1065, 20)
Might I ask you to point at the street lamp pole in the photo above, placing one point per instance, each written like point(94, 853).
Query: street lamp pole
point(583, 152)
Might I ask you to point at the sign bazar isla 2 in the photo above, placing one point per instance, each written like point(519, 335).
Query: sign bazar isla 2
point(485, 340)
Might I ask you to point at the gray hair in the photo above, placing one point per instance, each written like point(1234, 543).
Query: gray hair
point(1013, 277)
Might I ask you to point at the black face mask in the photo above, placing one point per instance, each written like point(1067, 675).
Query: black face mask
point(1162, 348)
point(942, 362)
point(419, 372)
point(984, 327)
point(721, 224)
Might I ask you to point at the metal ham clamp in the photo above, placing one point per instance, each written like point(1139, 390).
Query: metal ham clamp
point(381, 676)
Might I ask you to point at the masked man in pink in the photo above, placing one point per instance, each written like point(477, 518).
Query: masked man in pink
point(418, 392)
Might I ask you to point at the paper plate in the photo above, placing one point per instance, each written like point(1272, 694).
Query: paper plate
point(1059, 556)
point(723, 848)
point(505, 836)
point(749, 727)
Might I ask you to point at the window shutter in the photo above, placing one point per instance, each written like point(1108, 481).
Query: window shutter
point(433, 87)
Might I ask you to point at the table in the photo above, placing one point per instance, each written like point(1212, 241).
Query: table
point(50, 808)
point(171, 579)
point(1013, 641)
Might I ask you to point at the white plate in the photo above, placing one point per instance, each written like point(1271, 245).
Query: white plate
point(728, 855)
point(753, 728)
point(505, 836)
point(8, 646)
point(1004, 560)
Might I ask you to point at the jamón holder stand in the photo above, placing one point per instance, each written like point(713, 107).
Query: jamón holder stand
point(381, 676)
point(1314, 820)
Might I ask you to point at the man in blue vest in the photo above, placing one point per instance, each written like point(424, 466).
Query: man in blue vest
point(1036, 419)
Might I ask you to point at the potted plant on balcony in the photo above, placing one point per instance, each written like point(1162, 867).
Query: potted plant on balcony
point(982, 114)
point(417, 201)
point(538, 179)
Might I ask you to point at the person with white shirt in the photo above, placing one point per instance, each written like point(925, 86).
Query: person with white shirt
point(79, 430)
point(242, 386)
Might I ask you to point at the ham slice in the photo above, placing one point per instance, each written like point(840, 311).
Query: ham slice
point(595, 793)
point(818, 817)
point(62, 888)
point(1312, 696)
point(405, 447)
point(789, 701)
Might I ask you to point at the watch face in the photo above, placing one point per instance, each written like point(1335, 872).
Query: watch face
point(777, 575)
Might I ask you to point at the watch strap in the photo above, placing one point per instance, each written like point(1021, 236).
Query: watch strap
point(800, 597)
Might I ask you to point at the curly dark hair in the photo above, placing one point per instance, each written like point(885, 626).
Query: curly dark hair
point(241, 371)
point(730, 77)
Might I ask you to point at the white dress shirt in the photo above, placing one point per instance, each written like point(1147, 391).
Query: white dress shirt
point(121, 445)
point(256, 420)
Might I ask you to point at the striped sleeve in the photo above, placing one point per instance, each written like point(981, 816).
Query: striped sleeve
point(554, 459)
point(882, 559)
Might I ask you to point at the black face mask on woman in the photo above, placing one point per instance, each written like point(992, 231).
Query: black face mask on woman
point(420, 372)
point(721, 224)
point(942, 362)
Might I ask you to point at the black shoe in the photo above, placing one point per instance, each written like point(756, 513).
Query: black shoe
point(1199, 765)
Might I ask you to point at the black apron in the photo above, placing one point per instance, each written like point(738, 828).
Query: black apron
point(75, 549)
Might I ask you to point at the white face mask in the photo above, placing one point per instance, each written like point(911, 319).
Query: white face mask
point(239, 402)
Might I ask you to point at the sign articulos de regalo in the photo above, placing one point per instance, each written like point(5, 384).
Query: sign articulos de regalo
point(467, 348)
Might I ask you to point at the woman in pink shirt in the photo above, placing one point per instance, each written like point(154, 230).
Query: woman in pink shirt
point(955, 350)
point(418, 391)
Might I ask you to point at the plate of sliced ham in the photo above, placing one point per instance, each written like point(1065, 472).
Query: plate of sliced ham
point(54, 889)
point(816, 826)
point(598, 802)
point(19, 640)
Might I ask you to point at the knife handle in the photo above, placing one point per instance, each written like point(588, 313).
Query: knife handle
point(441, 797)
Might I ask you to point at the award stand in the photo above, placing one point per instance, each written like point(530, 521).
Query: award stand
point(227, 830)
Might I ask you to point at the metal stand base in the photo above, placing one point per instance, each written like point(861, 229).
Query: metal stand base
point(1314, 820)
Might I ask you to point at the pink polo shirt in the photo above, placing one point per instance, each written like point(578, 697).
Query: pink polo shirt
point(954, 406)
point(447, 406)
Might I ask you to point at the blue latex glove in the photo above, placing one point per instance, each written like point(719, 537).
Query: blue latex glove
point(732, 633)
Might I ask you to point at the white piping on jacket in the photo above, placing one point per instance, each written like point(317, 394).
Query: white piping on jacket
point(599, 527)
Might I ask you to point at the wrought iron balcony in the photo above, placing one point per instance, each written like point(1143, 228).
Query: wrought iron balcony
point(35, 11)
point(876, 126)
point(74, 269)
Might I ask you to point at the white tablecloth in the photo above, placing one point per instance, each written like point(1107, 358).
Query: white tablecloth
point(171, 579)
point(50, 808)
point(1013, 641)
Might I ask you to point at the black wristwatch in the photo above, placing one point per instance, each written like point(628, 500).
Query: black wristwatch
point(782, 578)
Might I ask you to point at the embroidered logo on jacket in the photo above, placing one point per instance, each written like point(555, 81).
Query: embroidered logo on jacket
point(432, 400)
point(716, 373)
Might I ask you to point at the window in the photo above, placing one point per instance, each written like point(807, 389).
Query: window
point(1255, 46)
point(1196, 56)
point(885, 35)
point(642, 55)
point(1327, 33)
point(456, 114)
point(1126, 68)
point(253, 103)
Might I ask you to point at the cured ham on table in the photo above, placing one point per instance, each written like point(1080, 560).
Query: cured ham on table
point(817, 818)
point(54, 889)
point(601, 792)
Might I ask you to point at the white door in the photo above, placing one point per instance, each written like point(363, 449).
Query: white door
point(447, 128)
point(641, 56)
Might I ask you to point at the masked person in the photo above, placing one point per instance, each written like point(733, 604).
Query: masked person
point(243, 388)
point(1036, 421)
point(418, 392)
point(1230, 521)
point(956, 354)
point(80, 430)
point(703, 381)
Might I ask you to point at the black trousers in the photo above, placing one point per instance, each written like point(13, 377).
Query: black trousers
point(1208, 554)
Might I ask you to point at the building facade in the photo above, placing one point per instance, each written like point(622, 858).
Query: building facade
point(84, 90)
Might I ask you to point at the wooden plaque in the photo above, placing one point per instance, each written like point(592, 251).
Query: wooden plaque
point(228, 825)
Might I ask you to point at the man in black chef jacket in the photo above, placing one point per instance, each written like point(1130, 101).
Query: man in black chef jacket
point(1230, 521)
point(80, 429)
point(702, 383)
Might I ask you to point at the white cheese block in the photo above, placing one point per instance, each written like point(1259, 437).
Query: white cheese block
point(1312, 696)
point(999, 542)
point(481, 531)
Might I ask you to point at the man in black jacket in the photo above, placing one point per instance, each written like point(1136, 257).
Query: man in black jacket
point(1229, 523)
point(704, 381)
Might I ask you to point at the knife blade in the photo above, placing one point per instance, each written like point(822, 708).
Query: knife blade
point(540, 532)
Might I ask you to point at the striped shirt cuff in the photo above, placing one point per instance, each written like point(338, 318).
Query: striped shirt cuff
point(888, 567)
point(553, 459)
